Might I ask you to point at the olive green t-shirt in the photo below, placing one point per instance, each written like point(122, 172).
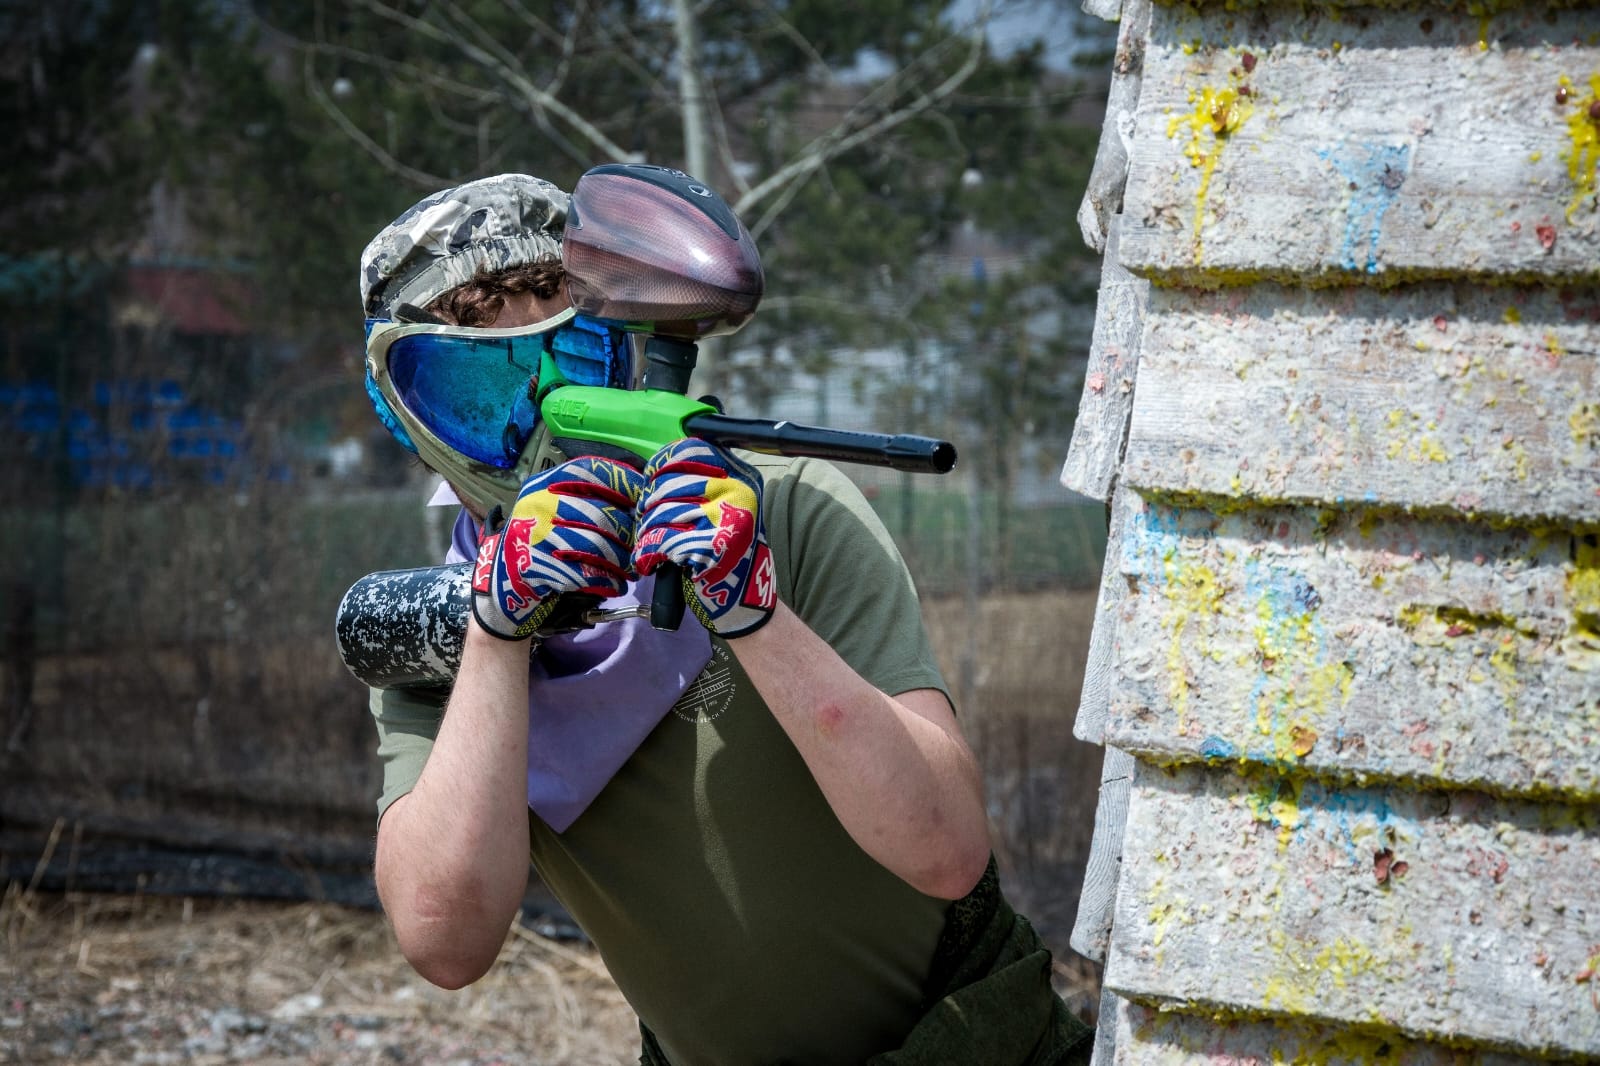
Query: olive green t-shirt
point(731, 907)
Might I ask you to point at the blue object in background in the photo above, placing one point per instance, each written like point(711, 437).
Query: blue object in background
point(130, 417)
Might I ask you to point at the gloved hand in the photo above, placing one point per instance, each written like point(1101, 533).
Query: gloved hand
point(701, 509)
point(570, 530)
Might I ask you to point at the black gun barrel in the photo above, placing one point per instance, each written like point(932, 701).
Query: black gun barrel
point(897, 451)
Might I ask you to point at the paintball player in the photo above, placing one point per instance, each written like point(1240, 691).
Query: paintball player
point(767, 821)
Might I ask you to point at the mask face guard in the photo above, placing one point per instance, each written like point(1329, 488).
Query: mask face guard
point(465, 400)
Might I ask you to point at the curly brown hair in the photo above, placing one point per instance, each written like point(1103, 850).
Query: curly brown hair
point(477, 302)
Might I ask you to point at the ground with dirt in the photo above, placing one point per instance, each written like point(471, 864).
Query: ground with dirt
point(146, 981)
point(150, 981)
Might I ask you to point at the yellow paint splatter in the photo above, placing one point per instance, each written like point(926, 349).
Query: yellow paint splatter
point(1344, 959)
point(1504, 659)
point(1583, 159)
point(1297, 681)
point(1582, 643)
point(1424, 448)
point(1585, 423)
point(1165, 907)
point(1276, 802)
point(1553, 345)
point(1520, 465)
point(1512, 316)
point(1301, 977)
point(1217, 116)
point(1191, 590)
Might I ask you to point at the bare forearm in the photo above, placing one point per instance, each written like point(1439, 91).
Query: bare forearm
point(896, 771)
point(452, 861)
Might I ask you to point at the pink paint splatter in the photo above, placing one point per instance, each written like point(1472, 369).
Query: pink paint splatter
point(1487, 863)
point(1097, 382)
point(1441, 323)
point(1547, 236)
point(1516, 229)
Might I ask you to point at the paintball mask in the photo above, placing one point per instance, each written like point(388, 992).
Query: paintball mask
point(649, 252)
point(466, 400)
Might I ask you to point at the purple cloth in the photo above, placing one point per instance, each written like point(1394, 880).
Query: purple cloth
point(594, 695)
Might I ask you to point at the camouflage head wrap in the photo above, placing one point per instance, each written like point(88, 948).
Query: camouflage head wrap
point(498, 222)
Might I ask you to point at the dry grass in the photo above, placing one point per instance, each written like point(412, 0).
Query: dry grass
point(115, 979)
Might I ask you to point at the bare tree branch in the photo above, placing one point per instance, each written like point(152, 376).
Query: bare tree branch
point(535, 98)
point(838, 140)
point(537, 24)
point(719, 130)
point(355, 133)
point(421, 75)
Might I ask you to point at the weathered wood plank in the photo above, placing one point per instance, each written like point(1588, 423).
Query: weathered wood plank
point(1436, 396)
point(1441, 916)
point(1102, 196)
point(1370, 147)
point(1101, 426)
point(1485, 11)
point(1361, 645)
point(1149, 1037)
point(1094, 701)
point(1110, 10)
point(1091, 931)
point(1106, 1029)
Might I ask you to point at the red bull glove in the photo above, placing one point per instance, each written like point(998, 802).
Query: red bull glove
point(701, 509)
point(570, 530)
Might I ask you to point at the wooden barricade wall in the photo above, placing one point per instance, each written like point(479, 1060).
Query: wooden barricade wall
point(1344, 407)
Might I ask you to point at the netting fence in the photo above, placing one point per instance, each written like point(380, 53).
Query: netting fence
point(174, 715)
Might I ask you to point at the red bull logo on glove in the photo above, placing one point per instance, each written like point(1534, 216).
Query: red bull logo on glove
point(517, 594)
point(730, 542)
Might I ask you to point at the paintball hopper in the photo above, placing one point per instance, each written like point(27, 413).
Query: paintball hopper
point(654, 249)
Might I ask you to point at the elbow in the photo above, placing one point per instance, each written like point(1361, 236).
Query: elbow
point(955, 866)
point(449, 970)
point(449, 941)
point(958, 875)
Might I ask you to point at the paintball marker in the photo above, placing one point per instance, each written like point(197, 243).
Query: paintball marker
point(655, 253)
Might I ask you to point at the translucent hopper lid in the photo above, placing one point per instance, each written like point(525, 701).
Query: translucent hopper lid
point(654, 248)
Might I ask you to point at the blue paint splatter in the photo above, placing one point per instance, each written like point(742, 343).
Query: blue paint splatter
point(1155, 536)
point(1375, 173)
point(1291, 604)
point(1347, 806)
point(1215, 747)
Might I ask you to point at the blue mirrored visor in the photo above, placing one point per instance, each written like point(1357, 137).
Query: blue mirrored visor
point(477, 395)
point(478, 391)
